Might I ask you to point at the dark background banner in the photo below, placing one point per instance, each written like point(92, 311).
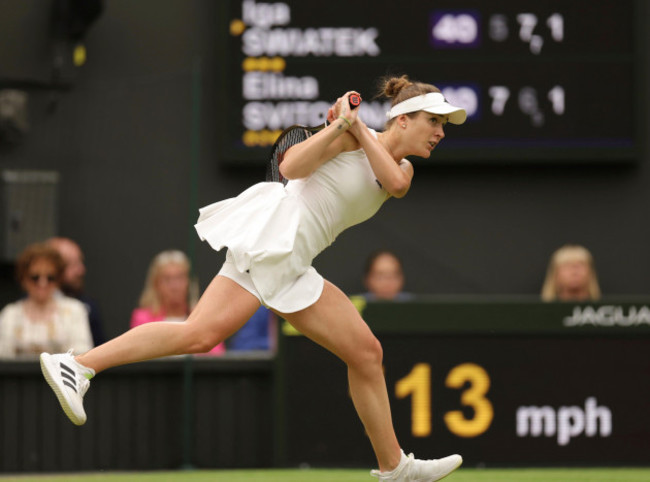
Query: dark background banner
point(524, 397)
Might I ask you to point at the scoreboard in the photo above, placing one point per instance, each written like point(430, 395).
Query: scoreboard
point(542, 81)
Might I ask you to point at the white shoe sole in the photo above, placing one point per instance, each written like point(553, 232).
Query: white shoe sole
point(47, 369)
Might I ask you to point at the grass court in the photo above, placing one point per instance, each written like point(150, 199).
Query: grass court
point(357, 475)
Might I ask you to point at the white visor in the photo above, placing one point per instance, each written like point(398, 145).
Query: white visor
point(434, 103)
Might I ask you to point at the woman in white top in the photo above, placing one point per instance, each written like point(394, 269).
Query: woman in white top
point(338, 177)
point(45, 320)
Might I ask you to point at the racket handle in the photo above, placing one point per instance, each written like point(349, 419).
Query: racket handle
point(355, 101)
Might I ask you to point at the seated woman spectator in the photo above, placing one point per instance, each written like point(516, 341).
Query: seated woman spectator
point(384, 277)
point(169, 294)
point(44, 320)
point(571, 276)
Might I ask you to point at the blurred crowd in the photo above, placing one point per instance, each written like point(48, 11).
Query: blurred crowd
point(56, 314)
point(570, 276)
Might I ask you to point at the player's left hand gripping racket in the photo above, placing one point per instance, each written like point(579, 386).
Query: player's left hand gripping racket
point(291, 136)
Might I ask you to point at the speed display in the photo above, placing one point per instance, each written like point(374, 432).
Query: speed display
point(550, 81)
point(502, 383)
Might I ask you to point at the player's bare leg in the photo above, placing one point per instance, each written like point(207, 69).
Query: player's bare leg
point(222, 310)
point(334, 323)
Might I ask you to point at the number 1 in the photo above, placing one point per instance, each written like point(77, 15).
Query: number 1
point(418, 385)
point(556, 23)
point(556, 96)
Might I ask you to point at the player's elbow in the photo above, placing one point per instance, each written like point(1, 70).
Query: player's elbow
point(285, 171)
point(290, 170)
point(400, 193)
point(297, 166)
point(398, 187)
point(287, 165)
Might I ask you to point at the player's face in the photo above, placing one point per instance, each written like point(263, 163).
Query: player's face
point(424, 133)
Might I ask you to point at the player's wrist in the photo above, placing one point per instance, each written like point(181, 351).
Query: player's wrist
point(345, 122)
point(357, 129)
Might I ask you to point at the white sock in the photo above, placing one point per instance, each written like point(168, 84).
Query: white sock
point(396, 470)
point(87, 372)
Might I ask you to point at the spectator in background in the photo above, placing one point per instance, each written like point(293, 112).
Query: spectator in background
point(73, 283)
point(169, 294)
point(42, 321)
point(384, 277)
point(571, 276)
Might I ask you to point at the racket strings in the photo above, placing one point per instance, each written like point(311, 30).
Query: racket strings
point(288, 138)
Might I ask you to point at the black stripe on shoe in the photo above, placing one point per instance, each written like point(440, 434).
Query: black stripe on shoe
point(68, 384)
point(65, 375)
point(66, 367)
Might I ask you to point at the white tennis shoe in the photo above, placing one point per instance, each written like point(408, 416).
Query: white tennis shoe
point(411, 469)
point(70, 381)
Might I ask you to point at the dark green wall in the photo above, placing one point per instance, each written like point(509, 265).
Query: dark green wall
point(122, 140)
point(176, 413)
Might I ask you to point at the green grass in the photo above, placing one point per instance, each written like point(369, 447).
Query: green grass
point(325, 475)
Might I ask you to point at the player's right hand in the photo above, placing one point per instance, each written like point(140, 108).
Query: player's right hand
point(342, 108)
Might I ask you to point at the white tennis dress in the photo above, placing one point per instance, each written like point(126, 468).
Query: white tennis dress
point(273, 232)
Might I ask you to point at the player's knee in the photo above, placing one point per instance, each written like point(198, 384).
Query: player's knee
point(200, 340)
point(205, 345)
point(368, 354)
point(376, 354)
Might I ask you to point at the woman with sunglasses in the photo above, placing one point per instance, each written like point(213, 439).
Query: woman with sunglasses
point(44, 319)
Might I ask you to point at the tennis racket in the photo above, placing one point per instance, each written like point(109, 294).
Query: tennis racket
point(290, 137)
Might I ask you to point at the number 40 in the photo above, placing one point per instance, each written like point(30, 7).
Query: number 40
point(417, 384)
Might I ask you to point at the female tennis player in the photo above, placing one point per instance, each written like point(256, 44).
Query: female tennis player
point(339, 177)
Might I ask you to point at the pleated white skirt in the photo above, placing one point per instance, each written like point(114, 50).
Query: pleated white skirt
point(268, 247)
